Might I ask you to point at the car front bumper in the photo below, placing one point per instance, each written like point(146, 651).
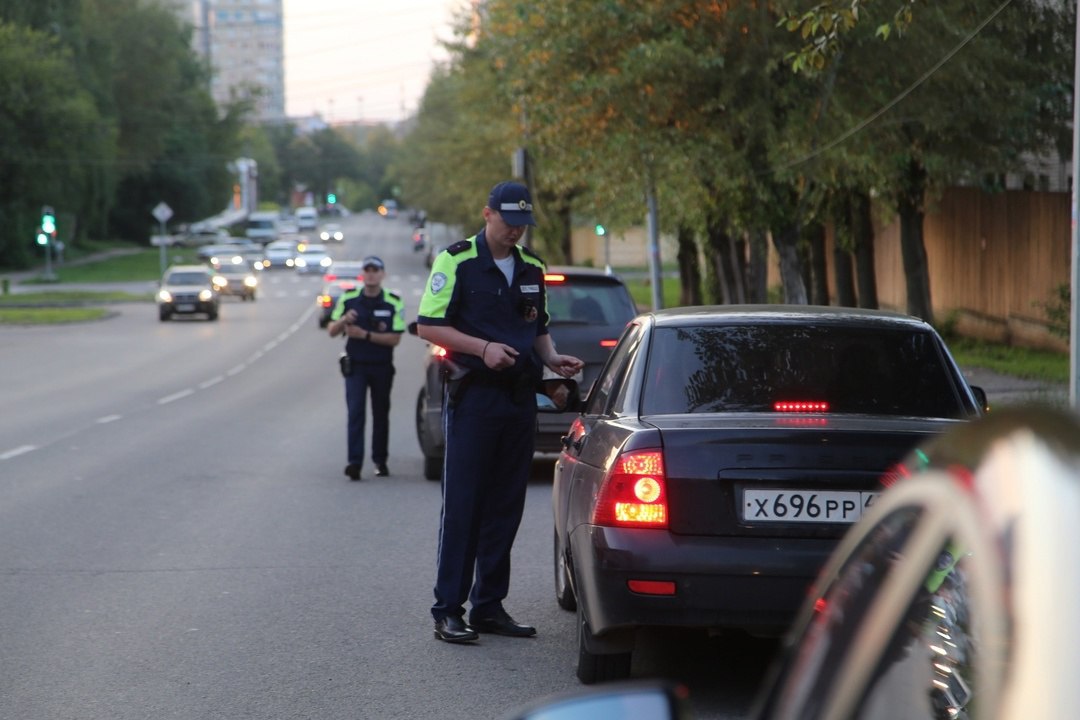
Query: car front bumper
point(754, 584)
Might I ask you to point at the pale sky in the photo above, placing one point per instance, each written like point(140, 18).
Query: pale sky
point(362, 59)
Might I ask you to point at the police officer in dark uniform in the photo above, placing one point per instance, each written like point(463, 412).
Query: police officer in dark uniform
point(373, 320)
point(486, 304)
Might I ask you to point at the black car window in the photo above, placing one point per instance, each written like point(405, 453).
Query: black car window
point(589, 302)
point(748, 368)
point(188, 278)
point(613, 373)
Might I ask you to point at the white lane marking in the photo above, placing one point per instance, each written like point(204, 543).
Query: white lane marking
point(17, 451)
point(238, 369)
point(211, 382)
point(107, 419)
point(175, 396)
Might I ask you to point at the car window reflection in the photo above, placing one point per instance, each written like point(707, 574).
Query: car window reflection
point(926, 669)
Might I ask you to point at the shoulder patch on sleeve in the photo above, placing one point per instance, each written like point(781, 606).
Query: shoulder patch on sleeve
point(459, 247)
point(393, 295)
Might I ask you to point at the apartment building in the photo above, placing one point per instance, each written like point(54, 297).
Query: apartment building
point(244, 43)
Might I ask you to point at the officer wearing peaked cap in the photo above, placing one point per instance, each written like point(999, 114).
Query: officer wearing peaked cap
point(372, 319)
point(486, 304)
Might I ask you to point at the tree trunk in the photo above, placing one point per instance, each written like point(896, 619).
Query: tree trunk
point(912, 247)
point(758, 271)
point(843, 276)
point(689, 268)
point(726, 271)
point(819, 275)
point(786, 242)
point(862, 238)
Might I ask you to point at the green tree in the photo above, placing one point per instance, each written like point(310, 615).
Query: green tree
point(50, 137)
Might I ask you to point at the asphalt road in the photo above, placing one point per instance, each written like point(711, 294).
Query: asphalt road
point(177, 539)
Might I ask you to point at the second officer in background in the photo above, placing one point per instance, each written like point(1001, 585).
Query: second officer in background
point(373, 320)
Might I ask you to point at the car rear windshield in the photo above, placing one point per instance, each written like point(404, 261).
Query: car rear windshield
point(187, 278)
point(749, 368)
point(589, 302)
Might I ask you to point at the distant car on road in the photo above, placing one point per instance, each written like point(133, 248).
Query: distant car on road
point(328, 297)
point(188, 290)
point(307, 218)
point(388, 209)
point(262, 227)
point(236, 277)
point(312, 258)
point(331, 232)
point(720, 456)
point(279, 254)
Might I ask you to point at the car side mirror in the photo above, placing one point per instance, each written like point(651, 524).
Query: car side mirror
point(980, 397)
point(558, 395)
point(619, 701)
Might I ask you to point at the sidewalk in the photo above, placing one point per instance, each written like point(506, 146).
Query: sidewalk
point(1008, 390)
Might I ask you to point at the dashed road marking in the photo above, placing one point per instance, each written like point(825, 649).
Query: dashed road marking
point(17, 451)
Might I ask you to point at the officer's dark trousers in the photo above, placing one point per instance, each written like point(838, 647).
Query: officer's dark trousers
point(489, 448)
point(377, 379)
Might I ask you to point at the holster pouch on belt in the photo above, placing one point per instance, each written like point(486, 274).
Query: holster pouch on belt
point(456, 378)
point(346, 365)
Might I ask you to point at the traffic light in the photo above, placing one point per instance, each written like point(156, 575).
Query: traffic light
point(600, 229)
point(48, 221)
point(42, 238)
point(331, 198)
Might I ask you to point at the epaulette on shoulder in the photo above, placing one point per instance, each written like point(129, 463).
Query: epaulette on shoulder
point(459, 247)
point(391, 293)
point(532, 254)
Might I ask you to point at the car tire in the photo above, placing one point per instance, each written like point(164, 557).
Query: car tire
point(433, 464)
point(596, 667)
point(163, 315)
point(212, 316)
point(564, 592)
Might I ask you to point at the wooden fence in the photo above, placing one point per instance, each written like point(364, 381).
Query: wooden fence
point(994, 259)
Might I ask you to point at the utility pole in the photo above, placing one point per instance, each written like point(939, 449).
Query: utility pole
point(1074, 324)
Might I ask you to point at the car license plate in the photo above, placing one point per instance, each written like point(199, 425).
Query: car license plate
point(185, 307)
point(805, 506)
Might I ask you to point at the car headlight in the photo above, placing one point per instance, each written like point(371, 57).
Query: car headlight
point(164, 296)
point(219, 281)
point(324, 235)
point(251, 281)
point(300, 262)
point(325, 262)
point(205, 295)
point(339, 236)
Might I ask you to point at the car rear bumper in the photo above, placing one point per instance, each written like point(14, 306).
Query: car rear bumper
point(756, 584)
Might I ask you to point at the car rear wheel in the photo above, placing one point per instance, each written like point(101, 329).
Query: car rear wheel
point(433, 464)
point(564, 593)
point(594, 667)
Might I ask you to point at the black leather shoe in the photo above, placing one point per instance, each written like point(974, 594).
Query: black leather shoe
point(502, 624)
point(381, 470)
point(453, 629)
point(353, 471)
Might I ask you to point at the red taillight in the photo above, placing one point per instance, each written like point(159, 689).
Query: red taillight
point(438, 351)
point(801, 406)
point(554, 278)
point(324, 300)
point(329, 277)
point(608, 343)
point(651, 587)
point(634, 493)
